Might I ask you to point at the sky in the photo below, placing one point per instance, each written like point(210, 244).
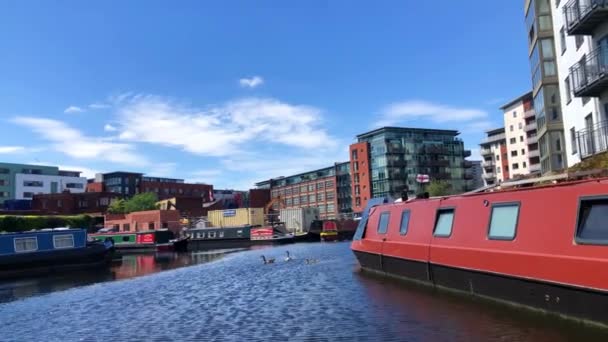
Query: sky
point(231, 93)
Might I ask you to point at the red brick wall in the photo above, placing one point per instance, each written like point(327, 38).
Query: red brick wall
point(69, 204)
point(360, 170)
point(292, 191)
point(95, 187)
point(141, 220)
point(259, 198)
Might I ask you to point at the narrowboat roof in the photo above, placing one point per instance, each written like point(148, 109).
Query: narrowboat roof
point(44, 230)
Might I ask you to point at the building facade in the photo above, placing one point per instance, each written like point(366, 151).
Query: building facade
point(67, 203)
point(521, 136)
point(387, 159)
point(545, 84)
point(326, 189)
point(145, 221)
point(23, 181)
point(582, 28)
point(476, 172)
point(495, 161)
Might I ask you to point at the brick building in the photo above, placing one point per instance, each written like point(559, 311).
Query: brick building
point(67, 203)
point(144, 221)
point(327, 189)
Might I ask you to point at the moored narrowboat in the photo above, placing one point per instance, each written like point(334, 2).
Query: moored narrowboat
point(215, 237)
point(152, 240)
point(543, 247)
point(50, 251)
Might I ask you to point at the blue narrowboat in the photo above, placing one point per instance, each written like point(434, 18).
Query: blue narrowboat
point(50, 251)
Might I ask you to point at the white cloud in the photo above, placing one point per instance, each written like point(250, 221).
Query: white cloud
point(221, 130)
point(251, 82)
point(11, 149)
point(73, 143)
point(423, 110)
point(85, 171)
point(73, 109)
point(109, 128)
point(99, 106)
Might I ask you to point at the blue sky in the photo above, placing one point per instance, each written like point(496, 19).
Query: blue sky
point(234, 92)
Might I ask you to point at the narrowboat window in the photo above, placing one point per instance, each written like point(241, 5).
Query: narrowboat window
point(222, 234)
point(443, 223)
point(383, 223)
point(239, 232)
point(405, 221)
point(211, 235)
point(592, 218)
point(63, 241)
point(125, 238)
point(28, 244)
point(503, 221)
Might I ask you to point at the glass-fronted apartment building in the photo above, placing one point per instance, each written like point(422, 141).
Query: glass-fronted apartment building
point(328, 189)
point(545, 85)
point(387, 159)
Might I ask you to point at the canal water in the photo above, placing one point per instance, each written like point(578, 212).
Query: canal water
point(231, 295)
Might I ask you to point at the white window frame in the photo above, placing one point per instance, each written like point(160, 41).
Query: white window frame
point(25, 238)
point(62, 236)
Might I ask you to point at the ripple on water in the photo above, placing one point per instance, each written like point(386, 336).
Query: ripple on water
point(237, 298)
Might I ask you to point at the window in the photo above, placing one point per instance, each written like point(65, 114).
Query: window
point(498, 169)
point(63, 241)
point(514, 153)
point(514, 113)
point(357, 202)
point(32, 171)
point(523, 151)
point(562, 37)
point(503, 221)
point(511, 128)
point(59, 203)
point(28, 194)
point(525, 165)
point(579, 41)
point(520, 125)
point(312, 198)
point(383, 223)
point(568, 90)
point(3, 182)
point(512, 140)
point(36, 184)
point(405, 221)
point(515, 166)
point(74, 185)
point(126, 227)
point(521, 138)
point(4, 171)
point(221, 234)
point(443, 223)
point(104, 201)
point(211, 235)
point(329, 196)
point(28, 244)
point(592, 218)
point(498, 157)
point(573, 140)
point(151, 225)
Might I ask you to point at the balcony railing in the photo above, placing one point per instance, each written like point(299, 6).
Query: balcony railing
point(535, 153)
point(593, 140)
point(529, 113)
point(590, 76)
point(489, 175)
point(534, 167)
point(487, 164)
point(584, 16)
point(532, 140)
point(530, 127)
point(494, 138)
point(486, 151)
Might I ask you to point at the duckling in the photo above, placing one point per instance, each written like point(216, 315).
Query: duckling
point(288, 257)
point(311, 261)
point(267, 261)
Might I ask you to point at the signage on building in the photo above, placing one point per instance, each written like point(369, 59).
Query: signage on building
point(229, 213)
point(423, 178)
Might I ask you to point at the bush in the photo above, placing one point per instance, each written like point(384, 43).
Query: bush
point(25, 223)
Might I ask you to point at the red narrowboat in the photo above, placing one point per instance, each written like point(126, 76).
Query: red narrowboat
point(544, 247)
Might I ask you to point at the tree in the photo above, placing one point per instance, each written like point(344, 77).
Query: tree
point(439, 188)
point(117, 206)
point(141, 202)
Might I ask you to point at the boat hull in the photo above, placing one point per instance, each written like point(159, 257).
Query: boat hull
point(93, 256)
point(564, 300)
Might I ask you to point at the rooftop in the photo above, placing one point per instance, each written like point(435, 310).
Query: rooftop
point(526, 96)
point(409, 130)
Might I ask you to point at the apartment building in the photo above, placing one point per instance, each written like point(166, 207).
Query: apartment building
point(385, 160)
point(521, 136)
point(545, 84)
point(494, 154)
point(582, 55)
point(23, 181)
point(327, 189)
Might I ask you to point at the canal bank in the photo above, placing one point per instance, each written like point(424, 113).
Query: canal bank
point(235, 297)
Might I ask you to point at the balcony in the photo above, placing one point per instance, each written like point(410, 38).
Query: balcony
point(486, 152)
point(593, 140)
point(534, 167)
point(489, 175)
point(487, 164)
point(530, 127)
point(494, 138)
point(584, 16)
point(590, 76)
point(532, 140)
point(529, 113)
point(535, 153)
point(467, 164)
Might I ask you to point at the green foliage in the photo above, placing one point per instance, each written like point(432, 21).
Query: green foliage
point(439, 188)
point(24, 223)
point(139, 202)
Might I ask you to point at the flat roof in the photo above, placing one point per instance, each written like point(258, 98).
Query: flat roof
point(300, 174)
point(527, 95)
point(126, 172)
point(409, 129)
point(496, 131)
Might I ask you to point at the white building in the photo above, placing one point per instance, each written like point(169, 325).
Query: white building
point(581, 34)
point(28, 185)
point(494, 153)
point(521, 138)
